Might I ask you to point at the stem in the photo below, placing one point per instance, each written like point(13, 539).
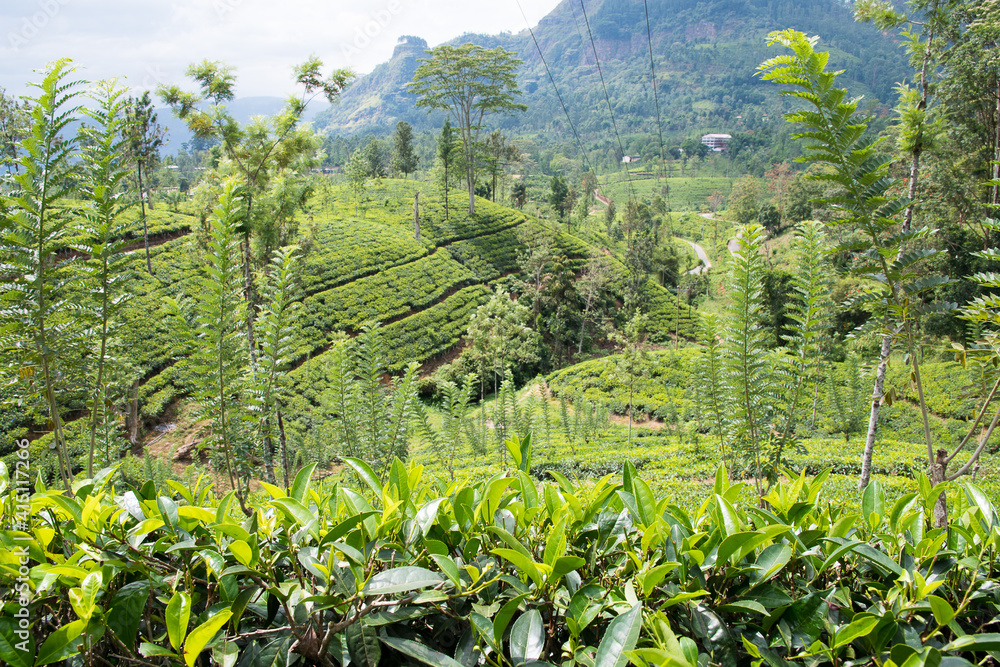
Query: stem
point(877, 395)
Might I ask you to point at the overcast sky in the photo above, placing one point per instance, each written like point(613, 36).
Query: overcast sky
point(153, 41)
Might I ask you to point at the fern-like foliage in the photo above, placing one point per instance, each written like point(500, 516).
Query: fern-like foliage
point(40, 335)
point(210, 328)
point(709, 371)
point(810, 313)
point(275, 335)
point(891, 258)
point(373, 417)
point(105, 228)
point(748, 369)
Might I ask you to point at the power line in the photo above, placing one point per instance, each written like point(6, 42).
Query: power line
point(556, 88)
point(656, 96)
point(614, 123)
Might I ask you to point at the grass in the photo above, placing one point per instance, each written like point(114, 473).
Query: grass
point(685, 193)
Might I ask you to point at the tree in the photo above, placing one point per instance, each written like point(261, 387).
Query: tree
point(501, 337)
point(209, 332)
point(258, 150)
point(470, 83)
point(748, 374)
point(497, 154)
point(519, 193)
point(14, 121)
point(404, 159)
point(594, 283)
point(589, 187)
point(357, 175)
point(446, 152)
point(640, 243)
point(276, 335)
point(745, 200)
point(106, 233)
point(632, 362)
point(609, 217)
point(38, 329)
point(145, 137)
point(892, 255)
point(373, 153)
point(557, 195)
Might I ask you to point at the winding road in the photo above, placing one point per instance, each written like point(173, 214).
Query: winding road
point(702, 255)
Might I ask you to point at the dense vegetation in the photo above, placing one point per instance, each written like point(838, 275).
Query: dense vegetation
point(353, 421)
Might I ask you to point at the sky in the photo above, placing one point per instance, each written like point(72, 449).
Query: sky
point(153, 41)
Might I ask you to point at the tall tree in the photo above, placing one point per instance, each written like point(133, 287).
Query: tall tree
point(38, 330)
point(209, 332)
point(892, 257)
point(145, 137)
point(257, 150)
point(470, 83)
point(557, 195)
point(404, 158)
point(106, 232)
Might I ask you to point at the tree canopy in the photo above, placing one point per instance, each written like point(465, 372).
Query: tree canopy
point(470, 83)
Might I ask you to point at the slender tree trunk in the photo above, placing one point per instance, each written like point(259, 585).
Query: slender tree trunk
point(877, 394)
point(99, 387)
point(142, 206)
point(416, 215)
point(583, 327)
point(284, 447)
point(996, 163)
point(133, 414)
point(269, 452)
point(471, 177)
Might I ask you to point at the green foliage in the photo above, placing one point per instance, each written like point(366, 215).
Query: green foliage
point(106, 277)
point(371, 421)
point(505, 570)
point(41, 338)
point(470, 83)
point(751, 375)
point(211, 331)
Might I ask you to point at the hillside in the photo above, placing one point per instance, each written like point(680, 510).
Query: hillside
point(357, 268)
point(705, 54)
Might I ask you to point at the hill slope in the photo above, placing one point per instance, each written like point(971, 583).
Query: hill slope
point(705, 54)
point(358, 268)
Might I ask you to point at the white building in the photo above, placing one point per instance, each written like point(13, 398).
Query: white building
point(717, 142)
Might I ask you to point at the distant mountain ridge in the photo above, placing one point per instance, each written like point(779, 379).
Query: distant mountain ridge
point(705, 54)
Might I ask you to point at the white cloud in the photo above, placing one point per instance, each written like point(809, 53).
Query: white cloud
point(153, 41)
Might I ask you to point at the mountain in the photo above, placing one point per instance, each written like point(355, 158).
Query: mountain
point(705, 54)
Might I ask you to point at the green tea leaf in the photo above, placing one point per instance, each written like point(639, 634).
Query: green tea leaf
point(527, 637)
point(178, 614)
point(399, 579)
point(418, 651)
point(860, 626)
point(61, 644)
point(621, 636)
point(201, 635)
